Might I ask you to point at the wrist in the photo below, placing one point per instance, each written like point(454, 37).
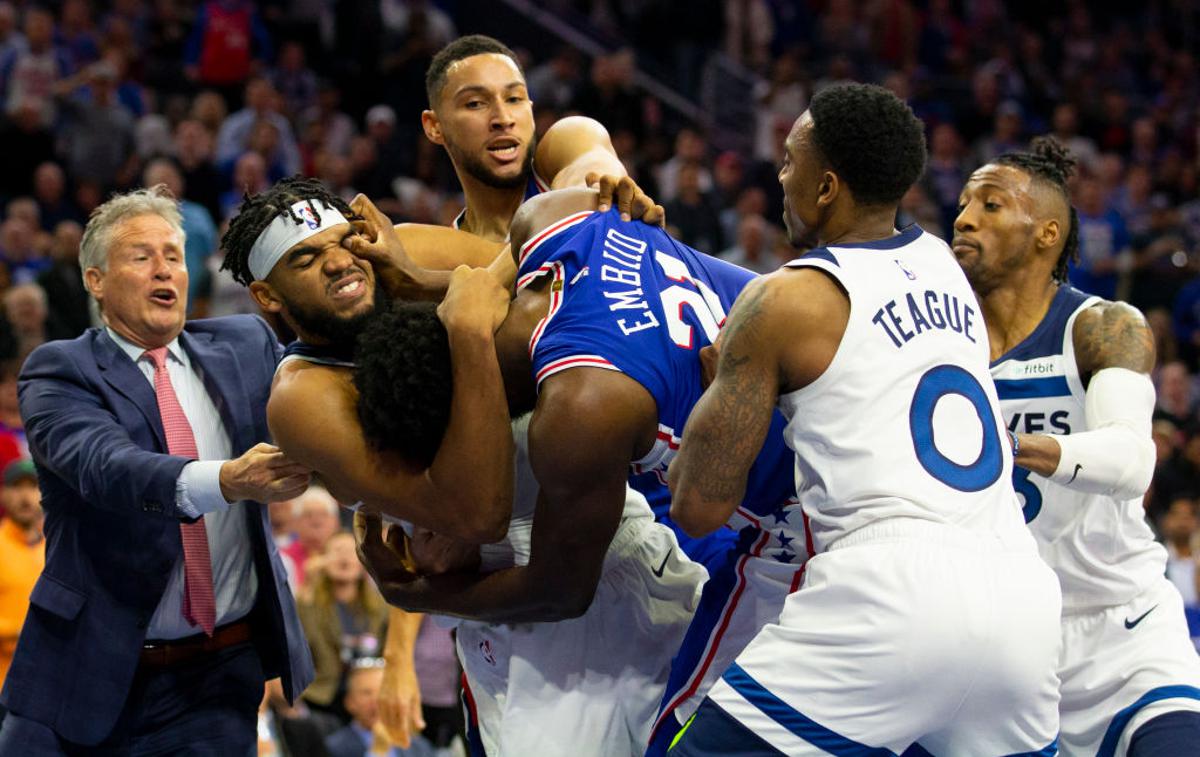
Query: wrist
point(225, 479)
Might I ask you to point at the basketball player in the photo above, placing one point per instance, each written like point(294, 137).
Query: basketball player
point(925, 616)
point(1072, 372)
point(480, 111)
point(603, 342)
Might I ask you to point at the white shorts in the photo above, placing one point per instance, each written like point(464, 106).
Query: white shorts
point(588, 686)
point(905, 632)
point(1115, 678)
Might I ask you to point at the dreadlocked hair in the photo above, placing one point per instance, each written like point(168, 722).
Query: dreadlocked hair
point(258, 211)
point(1051, 162)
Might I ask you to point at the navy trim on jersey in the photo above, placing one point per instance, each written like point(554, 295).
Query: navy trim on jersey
point(820, 253)
point(795, 721)
point(1050, 335)
point(908, 234)
point(1108, 747)
point(325, 354)
point(1023, 389)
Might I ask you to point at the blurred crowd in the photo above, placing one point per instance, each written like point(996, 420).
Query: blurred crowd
point(217, 98)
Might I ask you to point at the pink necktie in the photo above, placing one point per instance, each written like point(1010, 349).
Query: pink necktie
point(199, 606)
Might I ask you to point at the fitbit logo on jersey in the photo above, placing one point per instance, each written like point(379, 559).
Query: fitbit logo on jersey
point(928, 312)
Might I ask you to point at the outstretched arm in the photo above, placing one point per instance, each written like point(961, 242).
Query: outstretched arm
point(726, 429)
point(1114, 455)
point(581, 439)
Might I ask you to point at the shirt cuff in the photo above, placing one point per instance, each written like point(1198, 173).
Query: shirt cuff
point(198, 488)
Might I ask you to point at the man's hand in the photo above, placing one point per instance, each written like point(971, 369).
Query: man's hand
point(375, 241)
point(385, 558)
point(710, 357)
point(632, 202)
point(434, 554)
point(400, 704)
point(263, 474)
point(474, 301)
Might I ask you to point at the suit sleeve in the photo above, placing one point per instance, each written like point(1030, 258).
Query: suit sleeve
point(78, 440)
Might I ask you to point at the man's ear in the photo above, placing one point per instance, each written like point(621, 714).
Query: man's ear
point(829, 189)
point(1048, 234)
point(432, 127)
point(93, 278)
point(266, 297)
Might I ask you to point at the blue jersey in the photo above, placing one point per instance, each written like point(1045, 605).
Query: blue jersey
point(627, 297)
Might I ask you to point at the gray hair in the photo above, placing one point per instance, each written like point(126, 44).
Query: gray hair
point(97, 235)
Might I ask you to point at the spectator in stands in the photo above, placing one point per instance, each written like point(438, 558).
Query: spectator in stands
point(200, 233)
point(11, 38)
point(690, 149)
point(209, 109)
point(25, 209)
point(294, 80)
point(98, 131)
point(29, 317)
point(361, 737)
point(1005, 135)
point(945, 173)
point(343, 615)
point(29, 74)
point(77, 34)
point(229, 43)
point(1185, 318)
point(435, 664)
point(237, 130)
point(755, 240)
point(63, 281)
point(1065, 128)
point(249, 177)
point(693, 213)
point(315, 520)
point(555, 83)
point(1103, 243)
point(194, 150)
point(50, 192)
point(1176, 394)
point(609, 96)
point(1180, 532)
point(337, 128)
point(25, 143)
point(18, 253)
point(22, 553)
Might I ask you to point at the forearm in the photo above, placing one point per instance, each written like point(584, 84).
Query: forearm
point(1115, 456)
point(401, 639)
point(478, 440)
point(512, 595)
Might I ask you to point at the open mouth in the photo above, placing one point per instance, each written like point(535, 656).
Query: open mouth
point(349, 287)
point(165, 297)
point(504, 149)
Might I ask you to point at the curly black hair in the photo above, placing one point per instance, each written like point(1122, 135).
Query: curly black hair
point(463, 47)
point(257, 211)
point(1052, 163)
point(871, 139)
point(404, 381)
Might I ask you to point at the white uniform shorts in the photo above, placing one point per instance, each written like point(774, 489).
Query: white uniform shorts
point(1123, 666)
point(906, 631)
point(588, 686)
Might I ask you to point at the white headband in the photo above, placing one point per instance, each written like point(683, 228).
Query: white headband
point(283, 233)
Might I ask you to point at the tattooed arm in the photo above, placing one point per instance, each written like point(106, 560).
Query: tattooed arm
point(1114, 453)
point(781, 334)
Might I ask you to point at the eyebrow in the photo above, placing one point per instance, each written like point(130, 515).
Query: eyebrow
point(481, 88)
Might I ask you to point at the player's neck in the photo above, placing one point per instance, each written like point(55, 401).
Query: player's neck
point(1014, 310)
point(489, 209)
point(859, 225)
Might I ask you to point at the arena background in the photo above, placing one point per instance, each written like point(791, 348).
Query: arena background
point(697, 97)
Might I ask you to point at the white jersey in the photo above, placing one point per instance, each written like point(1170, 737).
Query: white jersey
point(904, 423)
point(1100, 547)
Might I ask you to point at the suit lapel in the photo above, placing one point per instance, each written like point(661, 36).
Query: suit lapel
point(127, 379)
point(222, 379)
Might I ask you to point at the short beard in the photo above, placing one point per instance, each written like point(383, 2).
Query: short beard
point(335, 330)
point(475, 167)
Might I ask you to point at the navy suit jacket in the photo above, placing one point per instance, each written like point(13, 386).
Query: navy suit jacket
point(112, 528)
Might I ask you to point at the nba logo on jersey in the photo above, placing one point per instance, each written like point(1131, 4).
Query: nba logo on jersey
point(485, 651)
point(909, 274)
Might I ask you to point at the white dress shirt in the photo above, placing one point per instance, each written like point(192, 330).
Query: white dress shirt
point(198, 492)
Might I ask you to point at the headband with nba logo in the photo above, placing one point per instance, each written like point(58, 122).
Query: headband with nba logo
point(283, 233)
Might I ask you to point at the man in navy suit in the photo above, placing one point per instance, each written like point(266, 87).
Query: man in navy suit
point(163, 606)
